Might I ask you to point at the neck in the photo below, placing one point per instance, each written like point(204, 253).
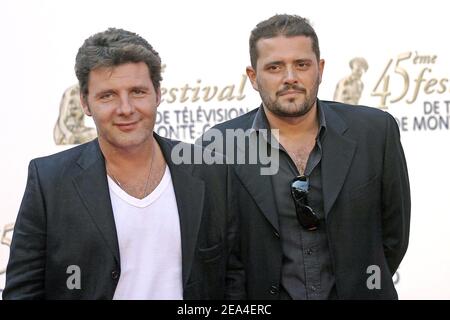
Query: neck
point(294, 127)
point(127, 158)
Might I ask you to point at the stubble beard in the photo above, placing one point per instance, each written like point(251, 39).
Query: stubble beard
point(291, 109)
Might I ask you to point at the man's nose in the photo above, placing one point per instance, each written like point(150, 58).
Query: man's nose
point(290, 75)
point(126, 106)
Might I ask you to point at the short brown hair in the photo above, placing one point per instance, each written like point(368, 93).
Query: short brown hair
point(114, 47)
point(282, 25)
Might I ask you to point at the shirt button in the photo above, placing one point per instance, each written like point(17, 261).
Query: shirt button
point(274, 290)
point(276, 234)
point(313, 288)
point(115, 275)
point(309, 251)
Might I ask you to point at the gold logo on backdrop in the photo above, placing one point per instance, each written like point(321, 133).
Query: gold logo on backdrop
point(5, 240)
point(205, 93)
point(70, 127)
point(408, 66)
point(350, 88)
point(201, 92)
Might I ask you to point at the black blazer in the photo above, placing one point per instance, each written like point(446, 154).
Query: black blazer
point(66, 219)
point(366, 203)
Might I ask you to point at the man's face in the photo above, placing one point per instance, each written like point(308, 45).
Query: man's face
point(122, 101)
point(357, 71)
point(287, 75)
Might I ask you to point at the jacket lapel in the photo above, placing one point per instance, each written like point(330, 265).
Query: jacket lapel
point(338, 151)
point(92, 187)
point(189, 194)
point(259, 186)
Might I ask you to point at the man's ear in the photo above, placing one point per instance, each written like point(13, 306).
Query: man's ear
point(84, 104)
point(158, 97)
point(251, 73)
point(321, 67)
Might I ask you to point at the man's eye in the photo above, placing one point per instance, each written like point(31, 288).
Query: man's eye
point(274, 68)
point(106, 96)
point(138, 92)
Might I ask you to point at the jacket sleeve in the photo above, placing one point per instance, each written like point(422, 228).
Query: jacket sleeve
point(396, 199)
point(25, 272)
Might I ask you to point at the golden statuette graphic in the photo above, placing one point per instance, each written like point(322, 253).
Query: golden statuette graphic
point(70, 127)
point(350, 88)
point(5, 240)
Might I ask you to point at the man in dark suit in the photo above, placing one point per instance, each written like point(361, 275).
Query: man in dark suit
point(332, 222)
point(119, 217)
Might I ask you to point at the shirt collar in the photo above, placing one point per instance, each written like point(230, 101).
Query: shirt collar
point(261, 122)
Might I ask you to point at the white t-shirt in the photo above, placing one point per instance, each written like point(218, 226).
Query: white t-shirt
point(149, 237)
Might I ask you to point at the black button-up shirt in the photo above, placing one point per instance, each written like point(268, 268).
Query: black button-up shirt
point(307, 269)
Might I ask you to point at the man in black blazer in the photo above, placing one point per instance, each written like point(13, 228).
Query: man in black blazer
point(332, 221)
point(119, 217)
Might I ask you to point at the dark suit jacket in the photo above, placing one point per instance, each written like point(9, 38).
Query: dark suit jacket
point(366, 203)
point(66, 219)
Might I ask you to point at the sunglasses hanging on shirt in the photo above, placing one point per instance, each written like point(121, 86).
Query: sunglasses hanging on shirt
point(306, 216)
